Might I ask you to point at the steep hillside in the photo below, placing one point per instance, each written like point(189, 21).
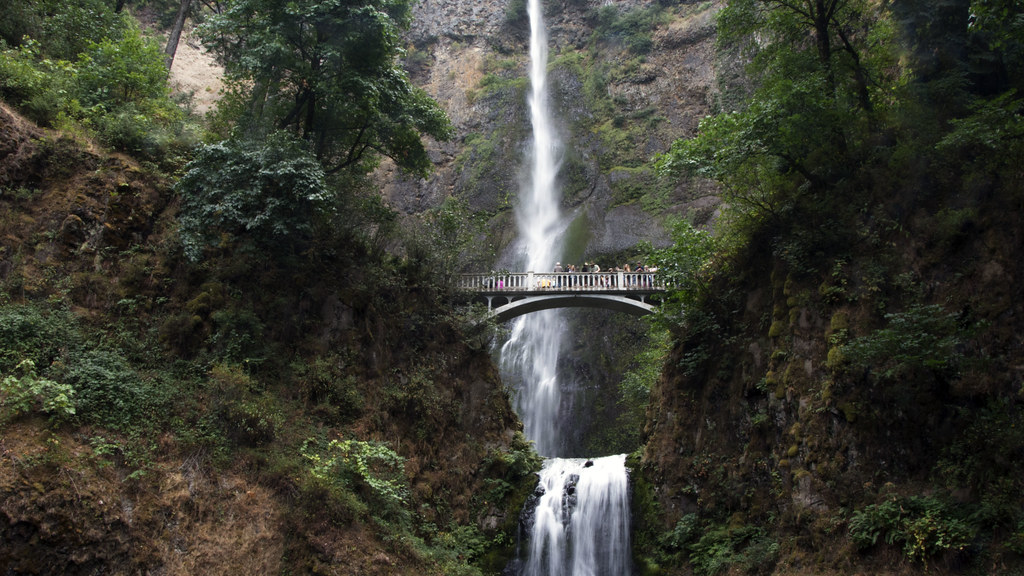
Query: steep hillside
point(845, 392)
point(163, 416)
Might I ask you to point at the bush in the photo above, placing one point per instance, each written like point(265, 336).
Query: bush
point(254, 421)
point(28, 333)
point(372, 470)
point(923, 525)
point(128, 70)
point(263, 194)
point(109, 392)
point(39, 87)
point(923, 337)
point(31, 393)
point(633, 28)
point(747, 548)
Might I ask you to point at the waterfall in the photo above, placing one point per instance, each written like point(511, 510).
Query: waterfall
point(580, 525)
point(581, 522)
point(532, 349)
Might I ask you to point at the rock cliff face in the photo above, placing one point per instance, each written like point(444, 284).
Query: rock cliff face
point(618, 105)
point(627, 79)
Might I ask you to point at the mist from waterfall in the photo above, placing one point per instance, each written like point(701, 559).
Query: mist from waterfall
point(579, 516)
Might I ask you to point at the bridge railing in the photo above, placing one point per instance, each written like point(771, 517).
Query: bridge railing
point(562, 282)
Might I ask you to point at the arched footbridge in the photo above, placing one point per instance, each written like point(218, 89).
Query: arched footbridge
point(511, 295)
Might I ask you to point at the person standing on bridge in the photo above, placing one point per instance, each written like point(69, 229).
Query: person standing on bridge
point(558, 270)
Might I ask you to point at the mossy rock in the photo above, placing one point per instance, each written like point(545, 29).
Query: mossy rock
point(787, 288)
point(839, 321)
point(835, 359)
point(780, 391)
point(778, 328)
point(794, 316)
point(849, 411)
point(794, 449)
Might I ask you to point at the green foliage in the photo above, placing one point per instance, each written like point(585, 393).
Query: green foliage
point(992, 131)
point(113, 73)
point(447, 240)
point(114, 88)
point(238, 336)
point(515, 11)
point(633, 28)
point(923, 525)
point(637, 382)
point(335, 393)
point(254, 421)
point(110, 393)
point(29, 392)
point(264, 194)
point(66, 28)
point(685, 533)
point(371, 470)
point(683, 266)
point(747, 548)
point(457, 546)
point(38, 86)
point(30, 333)
point(329, 73)
point(980, 459)
point(520, 461)
point(924, 337)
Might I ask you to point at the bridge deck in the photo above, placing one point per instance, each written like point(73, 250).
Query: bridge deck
point(531, 283)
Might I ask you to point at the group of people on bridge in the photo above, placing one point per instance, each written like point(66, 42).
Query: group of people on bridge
point(591, 275)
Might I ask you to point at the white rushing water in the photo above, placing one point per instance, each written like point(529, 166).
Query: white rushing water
point(580, 526)
point(532, 349)
point(581, 523)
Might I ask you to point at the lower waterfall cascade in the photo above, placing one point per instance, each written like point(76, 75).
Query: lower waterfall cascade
point(580, 523)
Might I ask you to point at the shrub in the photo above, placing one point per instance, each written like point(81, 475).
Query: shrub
point(254, 421)
point(261, 193)
point(372, 470)
point(109, 392)
point(923, 337)
point(128, 70)
point(65, 28)
point(28, 333)
point(32, 393)
point(923, 525)
point(746, 547)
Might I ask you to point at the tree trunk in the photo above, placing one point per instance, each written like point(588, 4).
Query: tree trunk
point(179, 25)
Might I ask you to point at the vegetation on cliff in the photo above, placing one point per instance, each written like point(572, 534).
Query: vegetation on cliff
point(844, 394)
point(228, 358)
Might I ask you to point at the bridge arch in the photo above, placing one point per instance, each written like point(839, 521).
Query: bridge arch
point(524, 305)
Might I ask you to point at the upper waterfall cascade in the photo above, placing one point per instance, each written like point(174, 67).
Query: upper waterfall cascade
point(580, 523)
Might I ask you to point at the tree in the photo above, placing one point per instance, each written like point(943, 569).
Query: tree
point(265, 194)
point(175, 34)
point(117, 72)
point(683, 266)
point(326, 71)
point(811, 106)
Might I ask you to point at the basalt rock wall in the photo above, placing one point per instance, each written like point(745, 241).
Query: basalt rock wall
point(620, 97)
